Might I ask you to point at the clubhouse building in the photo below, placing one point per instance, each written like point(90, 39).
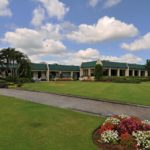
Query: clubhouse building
point(86, 70)
point(47, 72)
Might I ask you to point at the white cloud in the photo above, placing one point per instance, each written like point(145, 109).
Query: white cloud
point(89, 53)
point(55, 8)
point(93, 3)
point(51, 31)
point(142, 43)
point(111, 3)
point(106, 29)
point(128, 58)
point(32, 42)
point(38, 16)
point(4, 9)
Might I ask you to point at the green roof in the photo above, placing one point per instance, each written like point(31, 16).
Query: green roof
point(109, 64)
point(136, 66)
point(57, 67)
point(38, 67)
point(90, 64)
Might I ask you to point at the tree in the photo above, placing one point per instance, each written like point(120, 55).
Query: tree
point(148, 66)
point(14, 63)
point(98, 72)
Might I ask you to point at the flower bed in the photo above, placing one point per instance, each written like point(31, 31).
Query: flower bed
point(122, 132)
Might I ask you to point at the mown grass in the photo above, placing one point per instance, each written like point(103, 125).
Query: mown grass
point(29, 126)
point(120, 92)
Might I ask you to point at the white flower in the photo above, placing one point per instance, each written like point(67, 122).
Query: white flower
point(110, 137)
point(112, 120)
point(146, 122)
point(122, 116)
point(143, 139)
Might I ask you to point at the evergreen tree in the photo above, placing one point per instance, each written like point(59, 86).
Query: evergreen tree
point(98, 72)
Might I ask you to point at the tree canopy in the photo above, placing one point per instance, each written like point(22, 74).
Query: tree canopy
point(14, 63)
point(98, 72)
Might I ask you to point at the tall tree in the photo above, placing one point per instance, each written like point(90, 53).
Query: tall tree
point(148, 66)
point(98, 72)
point(14, 63)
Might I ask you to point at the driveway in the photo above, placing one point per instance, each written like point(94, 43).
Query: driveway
point(78, 104)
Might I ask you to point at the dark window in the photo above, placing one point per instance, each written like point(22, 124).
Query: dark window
point(39, 74)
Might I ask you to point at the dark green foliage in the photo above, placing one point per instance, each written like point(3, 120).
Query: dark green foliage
point(148, 66)
point(125, 79)
point(14, 63)
point(98, 72)
point(3, 84)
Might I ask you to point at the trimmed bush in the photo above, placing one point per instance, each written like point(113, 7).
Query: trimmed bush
point(3, 84)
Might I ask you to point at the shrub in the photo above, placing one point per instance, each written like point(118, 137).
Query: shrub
point(3, 84)
point(24, 80)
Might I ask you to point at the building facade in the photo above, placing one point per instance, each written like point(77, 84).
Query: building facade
point(47, 72)
point(54, 72)
point(112, 69)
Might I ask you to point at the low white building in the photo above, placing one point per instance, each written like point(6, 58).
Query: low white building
point(112, 69)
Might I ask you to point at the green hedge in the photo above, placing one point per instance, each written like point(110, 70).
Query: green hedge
point(125, 79)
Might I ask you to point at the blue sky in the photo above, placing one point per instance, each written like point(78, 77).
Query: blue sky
point(69, 31)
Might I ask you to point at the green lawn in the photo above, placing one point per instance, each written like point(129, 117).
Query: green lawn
point(121, 92)
point(29, 126)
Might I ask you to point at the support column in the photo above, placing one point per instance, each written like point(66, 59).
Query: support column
point(60, 74)
point(118, 72)
point(81, 72)
point(127, 72)
point(109, 72)
point(146, 73)
point(89, 72)
point(139, 73)
point(47, 73)
point(72, 74)
point(133, 73)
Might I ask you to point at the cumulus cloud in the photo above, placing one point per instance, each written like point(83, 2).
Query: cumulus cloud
point(4, 8)
point(38, 16)
point(105, 29)
point(142, 43)
point(32, 42)
point(93, 3)
point(128, 58)
point(51, 31)
point(111, 3)
point(90, 54)
point(55, 8)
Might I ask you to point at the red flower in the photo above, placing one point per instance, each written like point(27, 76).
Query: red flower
point(106, 126)
point(129, 125)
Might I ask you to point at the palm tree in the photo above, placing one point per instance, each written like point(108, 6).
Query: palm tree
point(14, 62)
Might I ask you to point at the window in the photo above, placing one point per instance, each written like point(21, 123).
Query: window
point(92, 72)
point(39, 74)
point(85, 72)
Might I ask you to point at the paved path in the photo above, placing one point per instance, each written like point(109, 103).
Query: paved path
point(79, 104)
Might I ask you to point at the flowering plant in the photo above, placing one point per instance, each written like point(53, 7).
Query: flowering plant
point(127, 131)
